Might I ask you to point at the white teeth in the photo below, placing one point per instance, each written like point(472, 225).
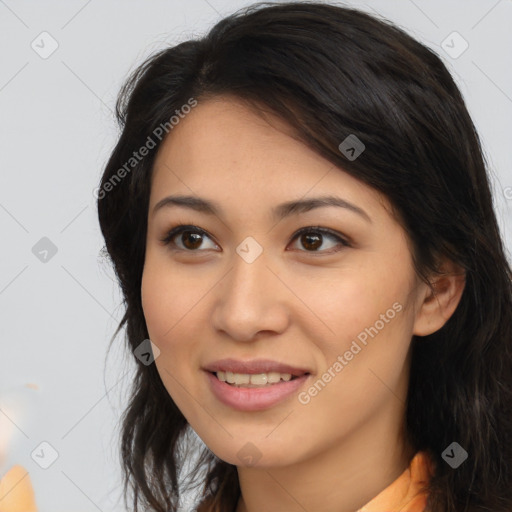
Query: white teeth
point(253, 380)
point(274, 377)
point(259, 379)
point(242, 378)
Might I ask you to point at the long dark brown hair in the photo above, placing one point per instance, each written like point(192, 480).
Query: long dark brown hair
point(331, 71)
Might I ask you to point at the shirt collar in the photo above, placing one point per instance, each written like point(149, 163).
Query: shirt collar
point(408, 493)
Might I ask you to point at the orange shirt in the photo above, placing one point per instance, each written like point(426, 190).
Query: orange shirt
point(16, 492)
point(405, 494)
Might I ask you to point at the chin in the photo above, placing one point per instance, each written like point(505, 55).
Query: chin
point(254, 451)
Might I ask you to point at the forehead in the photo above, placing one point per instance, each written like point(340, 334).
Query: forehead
point(224, 148)
point(225, 129)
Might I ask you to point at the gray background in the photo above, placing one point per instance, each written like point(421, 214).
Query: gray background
point(56, 131)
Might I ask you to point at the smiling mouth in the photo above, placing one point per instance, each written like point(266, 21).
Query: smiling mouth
point(255, 380)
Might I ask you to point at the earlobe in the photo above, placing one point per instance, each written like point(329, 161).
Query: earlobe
point(440, 300)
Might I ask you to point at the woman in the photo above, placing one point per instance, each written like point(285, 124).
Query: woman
point(301, 222)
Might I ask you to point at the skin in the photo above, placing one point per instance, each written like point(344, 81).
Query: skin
point(297, 303)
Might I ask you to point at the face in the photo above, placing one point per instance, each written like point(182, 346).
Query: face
point(320, 297)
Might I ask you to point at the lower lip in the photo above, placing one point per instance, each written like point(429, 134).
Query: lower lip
point(254, 399)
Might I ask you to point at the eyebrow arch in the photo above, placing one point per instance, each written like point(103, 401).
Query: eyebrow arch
point(279, 212)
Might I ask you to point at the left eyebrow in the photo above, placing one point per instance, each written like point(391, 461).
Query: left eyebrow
point(305, 205)
point(279, 212)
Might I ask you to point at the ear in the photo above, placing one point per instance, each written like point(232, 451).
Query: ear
point(441, 299)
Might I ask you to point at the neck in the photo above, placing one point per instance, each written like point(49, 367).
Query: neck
point(340, 478)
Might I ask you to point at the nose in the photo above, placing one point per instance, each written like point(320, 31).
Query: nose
point(250, 301)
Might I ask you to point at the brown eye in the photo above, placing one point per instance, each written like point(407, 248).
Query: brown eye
point(187, 238)
point(191, 240)
point(312, 238)
point(311, 242)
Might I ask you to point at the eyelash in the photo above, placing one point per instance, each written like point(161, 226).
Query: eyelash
point(167, 240)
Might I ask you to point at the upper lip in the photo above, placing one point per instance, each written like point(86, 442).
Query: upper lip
point(254, 366)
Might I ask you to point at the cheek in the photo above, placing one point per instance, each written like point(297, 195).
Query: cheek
point(343, 302)
point(362, 368)
point(362, 316)
point(174, 304)
point(168, 305)
point(168, 314)
point(169, 296)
